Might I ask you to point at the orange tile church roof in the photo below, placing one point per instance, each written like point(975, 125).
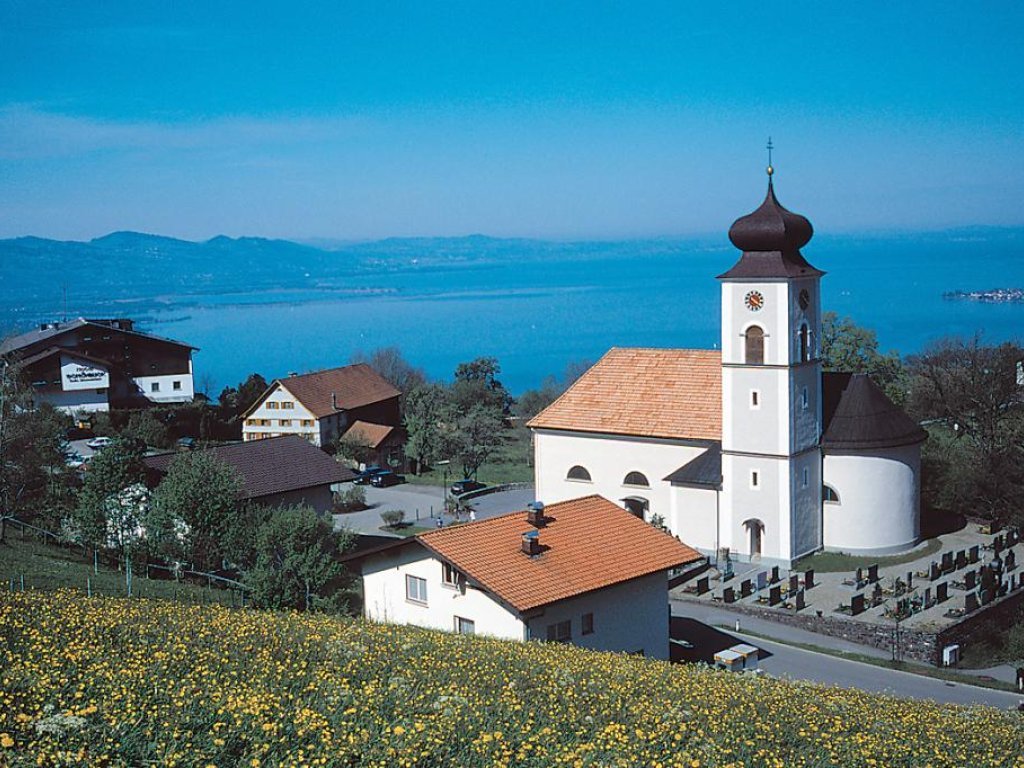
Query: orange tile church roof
point(673, 393)
point(588, 543)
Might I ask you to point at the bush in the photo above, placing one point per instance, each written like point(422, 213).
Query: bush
point(352, 499)
point(393, 517)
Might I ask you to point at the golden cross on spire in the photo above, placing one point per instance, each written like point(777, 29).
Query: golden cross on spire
point(770, 147)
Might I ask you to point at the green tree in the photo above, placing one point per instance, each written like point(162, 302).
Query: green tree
point(428, 418)
point(848, 347)
point(392, 367)
point(102, 517)
point(196, 511)
point(975, 460)
point(476, 383)
point(353, 449)
point(145, 427)
point(296, 562)
point(478, 434)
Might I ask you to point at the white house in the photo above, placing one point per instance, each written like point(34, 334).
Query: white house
point(752, 448)
point(321, 406)
point(582, 571)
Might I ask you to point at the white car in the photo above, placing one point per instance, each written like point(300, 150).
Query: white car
point(99, 443)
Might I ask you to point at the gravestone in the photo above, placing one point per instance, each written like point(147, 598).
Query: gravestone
point(987, 596)
point(775, 574)
point(703, 585)
point(973, 554)
point(876, 593)
point(746, 588)
point(857, 604)
point(970, 579)
point(961, 559)
point(927, 597)
point(808, 578)
point(794, 583)
point(1010, 560)
point(941, 592)
point(910, 580)
point(762, 580)
point(859, 577)
point(800, 601)
point(970, 602)
point(728, 595)
point(947, 562)
point(997, 543)
point(934, 571)
point(873, 573)
point(775, 595)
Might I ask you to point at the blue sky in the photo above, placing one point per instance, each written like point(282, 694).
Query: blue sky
point(565, 120)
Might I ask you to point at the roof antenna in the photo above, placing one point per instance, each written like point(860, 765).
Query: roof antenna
point(770, 169)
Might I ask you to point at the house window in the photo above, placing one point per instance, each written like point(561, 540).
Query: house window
point(755, 399)
point(416, 589)
point(804, 399)
point(805, 343)
point(636, 478)
point(560, 632)
point(753, 342)
point(828, 493)
point(285, 422)
point(176, 386)
point(587, 624)
point(154, 386)
point(451, 576)
point(578, 473)
point(307, 422)
point(755, 479)
point(271, 405)
point(287, 405)
point(464, 626)
point(806, 477)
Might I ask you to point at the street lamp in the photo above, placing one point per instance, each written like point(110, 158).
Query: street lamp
point(444, 488)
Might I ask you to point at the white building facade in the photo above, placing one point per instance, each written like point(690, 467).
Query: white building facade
point(793, 460)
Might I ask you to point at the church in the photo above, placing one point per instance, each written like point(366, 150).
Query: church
point(751, 448)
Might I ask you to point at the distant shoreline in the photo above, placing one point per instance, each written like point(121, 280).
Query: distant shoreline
point(996, 295)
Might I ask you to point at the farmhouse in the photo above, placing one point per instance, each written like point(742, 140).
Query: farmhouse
point(322, 406)
point(280, 471)
point(83, 366)
point(583, 571)
point(749, 448)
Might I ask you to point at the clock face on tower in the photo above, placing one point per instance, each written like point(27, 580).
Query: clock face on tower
point(754, 301)
point(804, 298)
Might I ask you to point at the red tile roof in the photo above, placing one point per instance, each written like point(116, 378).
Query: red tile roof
point(589, 543)
point(350, 386)
point(673, 393)
point(373, 434)
point(271, 466)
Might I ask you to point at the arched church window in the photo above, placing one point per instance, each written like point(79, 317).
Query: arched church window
point(754, 345)
point(636, 478)
point(578, 473)
point(805, 343)
point(828, 493)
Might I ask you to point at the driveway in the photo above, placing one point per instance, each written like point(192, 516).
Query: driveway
point(423, 504)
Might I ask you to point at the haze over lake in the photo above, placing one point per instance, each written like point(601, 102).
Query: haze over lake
point(275, 307)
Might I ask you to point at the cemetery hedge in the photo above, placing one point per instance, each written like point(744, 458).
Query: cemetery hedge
point(129, 682)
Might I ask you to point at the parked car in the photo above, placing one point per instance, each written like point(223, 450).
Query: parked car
point(385, 478)
point(364, 477)
point(99, 443)
point(465, 486)
point(186, 443)
point(74, 459)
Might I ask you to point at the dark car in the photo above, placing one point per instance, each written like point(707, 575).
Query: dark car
point(386, 478)
point(465, 486)
point(364, 477)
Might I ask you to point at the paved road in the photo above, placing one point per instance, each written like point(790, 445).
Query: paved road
point(422, 504)
point(785, 661)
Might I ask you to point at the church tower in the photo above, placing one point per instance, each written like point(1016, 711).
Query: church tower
point(771, 389)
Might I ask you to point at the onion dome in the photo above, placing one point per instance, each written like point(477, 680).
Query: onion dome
point(771, 228)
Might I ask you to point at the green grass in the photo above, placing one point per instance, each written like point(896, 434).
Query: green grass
point(46, 567)
point(405, 530)
point(837, 562)
point(512, 463)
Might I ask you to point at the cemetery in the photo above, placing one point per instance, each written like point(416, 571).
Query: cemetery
point(917, 608)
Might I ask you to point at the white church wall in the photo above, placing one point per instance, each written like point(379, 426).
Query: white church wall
point(805, 392)
point(694, 517)
point(772, 318)
point(764, 501)
point(608, 458)
point(762, 427)
point(806, 495)
point(879, 500)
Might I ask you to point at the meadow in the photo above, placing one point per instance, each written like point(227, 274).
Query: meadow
point(133, 682)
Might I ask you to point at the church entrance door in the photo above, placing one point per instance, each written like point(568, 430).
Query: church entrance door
point(755, 531)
